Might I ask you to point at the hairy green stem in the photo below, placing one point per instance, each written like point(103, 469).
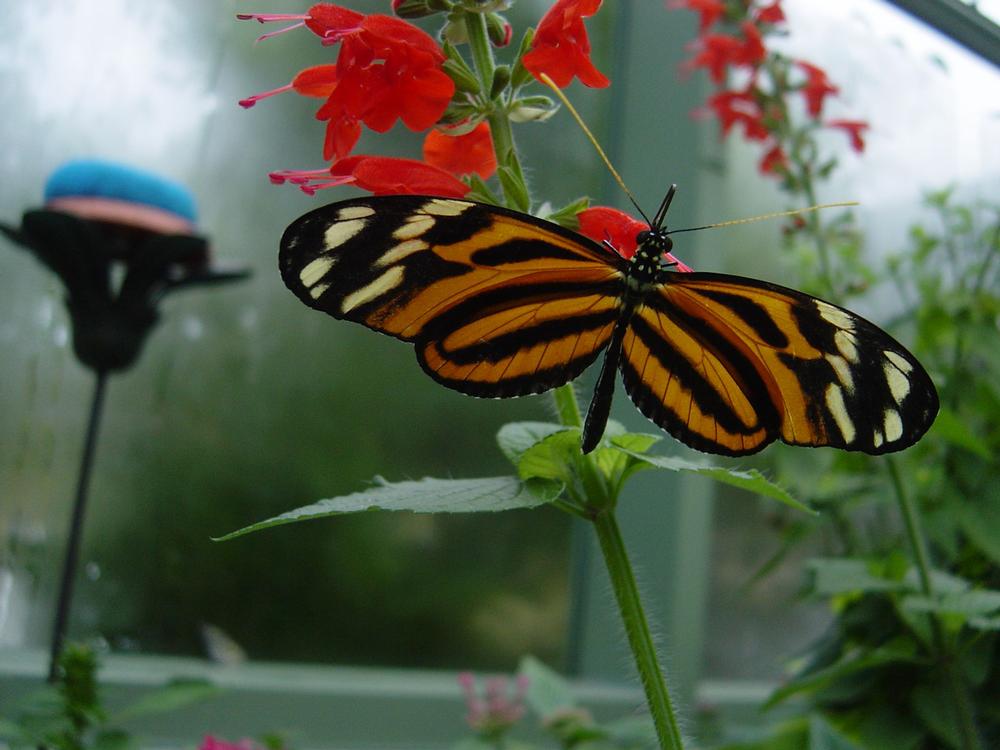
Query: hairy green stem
point(500, 130)
point(962, 704)
point(637, 629)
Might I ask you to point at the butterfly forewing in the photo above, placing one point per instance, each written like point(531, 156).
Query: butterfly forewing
point(498, 303)
point(754, 362)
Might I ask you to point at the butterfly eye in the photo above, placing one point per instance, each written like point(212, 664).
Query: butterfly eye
point(642, 238)
point(667, 245)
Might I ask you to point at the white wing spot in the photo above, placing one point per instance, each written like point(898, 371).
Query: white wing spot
point(317, 291)
point(899, 385)
point(316, 269)
point(355, 212)
point(400, 251)
point(387, 281)
point(835, 315)
point(847, 345)
point(899, 361)
point(445, 207)
point(835, 403)
point(415, 225)
point(877, 439)
point(341, 231)
point(893, 425)
point(843, 371)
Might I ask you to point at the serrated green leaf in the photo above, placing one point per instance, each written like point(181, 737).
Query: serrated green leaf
point(750, 480)
point(514, 438)
point(427, 495)
point(547, 691)
point(950, 428)
point(177, 694)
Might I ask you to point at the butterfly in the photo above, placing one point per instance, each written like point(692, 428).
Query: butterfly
point(499, 303)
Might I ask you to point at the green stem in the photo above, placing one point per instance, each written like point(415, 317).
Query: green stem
point(637, 630)
point(503, 136)
point(962, 704)
point(822, 250)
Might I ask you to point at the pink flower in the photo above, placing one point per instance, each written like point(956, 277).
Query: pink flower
point(498, 709)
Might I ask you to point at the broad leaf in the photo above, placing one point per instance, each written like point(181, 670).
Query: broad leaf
point(952, 429)
point(427, 495)
point(176, 694)
point(514, 438)
point(750, 480)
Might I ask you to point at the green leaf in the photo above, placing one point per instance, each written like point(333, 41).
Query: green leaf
point(176, 694)
point(514, 438)
point(427, 495)
point(553, 457)
point(548, 692)
point(750, 480)
point(513, 188)
point(900, 650)
point(966, 603)
point(932, 703)
point(950, 428)
point(113, 739)
point(833, 576)
point(980, 519)
point(823, 736)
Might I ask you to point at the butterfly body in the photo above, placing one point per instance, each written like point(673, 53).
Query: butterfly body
point(500, 304)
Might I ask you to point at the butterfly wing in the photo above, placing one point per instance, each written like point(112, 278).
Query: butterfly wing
point(497, 303)
point(729, 364)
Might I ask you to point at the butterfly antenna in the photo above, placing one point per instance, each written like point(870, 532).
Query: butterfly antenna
point(600, 152)
point(762, 217)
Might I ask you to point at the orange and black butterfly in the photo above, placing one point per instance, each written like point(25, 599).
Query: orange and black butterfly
point(499, 303)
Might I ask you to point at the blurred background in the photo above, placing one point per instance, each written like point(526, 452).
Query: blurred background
point(246, 404)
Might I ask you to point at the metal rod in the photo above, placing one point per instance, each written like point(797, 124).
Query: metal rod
point(71, 559)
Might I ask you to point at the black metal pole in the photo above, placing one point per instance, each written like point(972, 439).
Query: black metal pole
point(76, 528)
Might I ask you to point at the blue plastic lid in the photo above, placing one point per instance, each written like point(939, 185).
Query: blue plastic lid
point(96, 178)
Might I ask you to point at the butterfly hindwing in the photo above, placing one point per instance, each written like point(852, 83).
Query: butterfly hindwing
point(497, 303)
point(729, 364)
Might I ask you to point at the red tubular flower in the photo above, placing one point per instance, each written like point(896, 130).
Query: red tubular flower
point(716, 52)
point(617, 229)
point(388, 175)
point(770, 13)
point(733, 107)
point(471, 153)
point(387, 69)
point(816, 88)
point(774, 161)
point(709, 11)
point(561, 48)
point(855, 129)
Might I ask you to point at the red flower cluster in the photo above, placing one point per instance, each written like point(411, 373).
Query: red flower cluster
point(759, 107)
point(389, 70)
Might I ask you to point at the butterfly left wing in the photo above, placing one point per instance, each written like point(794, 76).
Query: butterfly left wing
point(729, 364)
point(496, 302)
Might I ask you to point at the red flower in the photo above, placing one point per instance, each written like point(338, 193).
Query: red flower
point(387, 69)
point(816, 88)
point(381, 175)
point(733, 107)
point(770, 13)
point(774, 161)
point(561, 48)
point(462, 154)
point(855, 129)
point(709, 11)
point(716, 52)
point(618, 230)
